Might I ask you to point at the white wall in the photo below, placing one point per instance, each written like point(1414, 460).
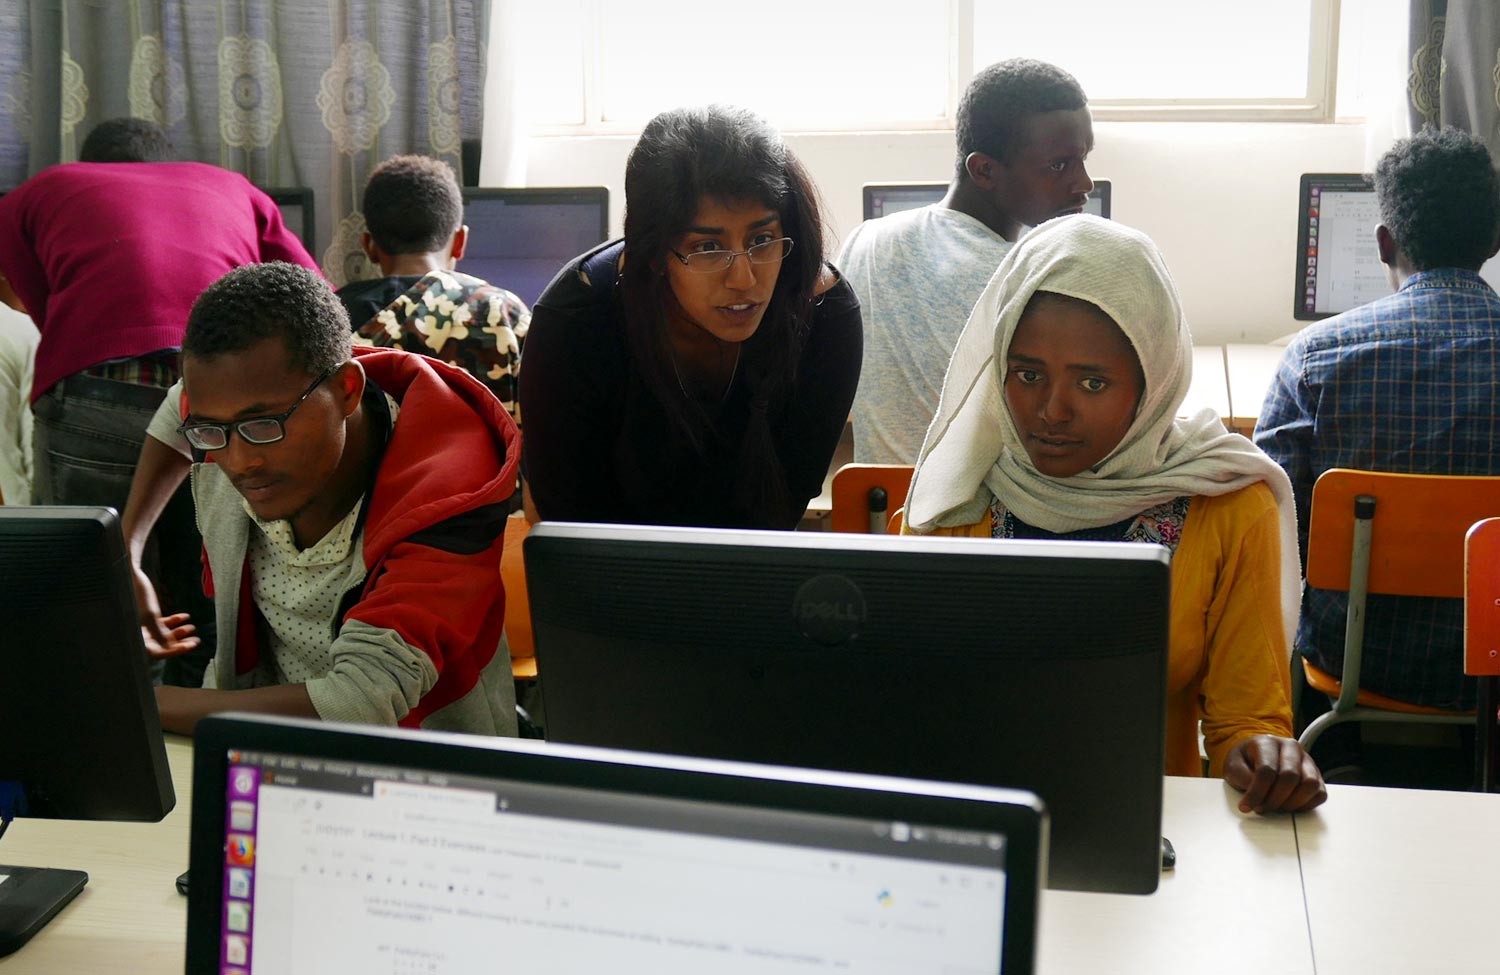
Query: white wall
point(1219, 198)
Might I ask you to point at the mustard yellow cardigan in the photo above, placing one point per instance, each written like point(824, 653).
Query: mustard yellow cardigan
point(1227, 665)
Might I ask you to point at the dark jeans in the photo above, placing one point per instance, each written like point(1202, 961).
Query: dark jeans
point(86, 444)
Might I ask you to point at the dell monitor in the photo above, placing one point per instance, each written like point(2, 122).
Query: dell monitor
point(297, 212)
point(883, 199)
point(520, 238)
point(328, 849)
point(79, 734)
point(1038, 665)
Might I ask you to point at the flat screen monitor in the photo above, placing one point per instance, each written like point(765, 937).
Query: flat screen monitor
point(79, 733)
point(1338, 264)
point(328, 850)
point(882, 199)
point(1098, 203)
point(1030, 665)
point(520, 238)
point(297, 212)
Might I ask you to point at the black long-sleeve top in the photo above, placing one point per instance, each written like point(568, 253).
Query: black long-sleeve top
point(597, 446)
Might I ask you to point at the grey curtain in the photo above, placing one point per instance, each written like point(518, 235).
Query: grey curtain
point(1455, 66)
point(288, 92)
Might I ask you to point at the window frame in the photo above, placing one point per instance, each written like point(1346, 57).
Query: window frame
point(1318, 103)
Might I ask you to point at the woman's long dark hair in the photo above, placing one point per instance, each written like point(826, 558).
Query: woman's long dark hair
point(724, 154)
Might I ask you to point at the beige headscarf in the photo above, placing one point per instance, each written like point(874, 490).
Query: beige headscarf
point(972, 449)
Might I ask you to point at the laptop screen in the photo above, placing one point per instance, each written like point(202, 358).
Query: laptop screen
point(520, 238)
point(332, 866)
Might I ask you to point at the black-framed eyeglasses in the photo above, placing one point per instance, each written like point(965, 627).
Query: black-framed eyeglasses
point(766, 252)
point(258, 430)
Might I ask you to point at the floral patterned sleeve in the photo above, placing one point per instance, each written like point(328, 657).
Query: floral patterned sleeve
point(461, 320)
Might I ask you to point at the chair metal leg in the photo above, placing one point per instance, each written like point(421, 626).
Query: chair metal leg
point(1487, 735)
point(1319, 725)
point(879, 507)
point(1299, 686)
point(1359, 587)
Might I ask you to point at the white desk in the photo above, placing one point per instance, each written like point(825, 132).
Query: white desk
point(1251, 370)
point(1402, 880)
point(1394, 880)
point(1234, 903)
point(130, 918)
point(1209, 389)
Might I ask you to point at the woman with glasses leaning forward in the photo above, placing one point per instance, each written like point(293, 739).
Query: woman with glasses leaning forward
point(699, 371)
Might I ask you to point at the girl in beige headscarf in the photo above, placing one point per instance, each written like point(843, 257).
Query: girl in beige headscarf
point(1058, 419)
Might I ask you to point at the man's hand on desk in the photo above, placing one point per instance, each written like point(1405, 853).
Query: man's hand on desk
point(1275, 775)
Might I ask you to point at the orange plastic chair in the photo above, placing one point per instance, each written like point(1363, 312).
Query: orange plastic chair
point(1393, 534)
point(1482, 643)
point(864, 495)
point(517, 602)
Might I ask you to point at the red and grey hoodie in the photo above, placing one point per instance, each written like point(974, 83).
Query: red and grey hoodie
point(415, 641)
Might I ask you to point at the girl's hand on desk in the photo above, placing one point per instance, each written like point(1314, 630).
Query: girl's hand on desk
point(1275, 775)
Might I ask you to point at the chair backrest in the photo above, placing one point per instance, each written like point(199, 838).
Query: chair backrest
point(517, 602)
point(1482, 599)
point(1417, 539)
point(852, 485)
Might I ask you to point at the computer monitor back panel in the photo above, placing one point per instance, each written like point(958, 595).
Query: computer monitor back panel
point(883, 199)
point(328, 850)
point(974, 661)
point(520, 238)
point(78, 723)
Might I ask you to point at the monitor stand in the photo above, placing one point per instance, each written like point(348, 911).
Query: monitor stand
point(29, 898)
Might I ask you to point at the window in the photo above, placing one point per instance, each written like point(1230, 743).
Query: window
point(1174, 58)
point(601, 66)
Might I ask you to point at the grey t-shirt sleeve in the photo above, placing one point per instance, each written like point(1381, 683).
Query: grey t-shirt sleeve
point(917, 274)
point(167, 419)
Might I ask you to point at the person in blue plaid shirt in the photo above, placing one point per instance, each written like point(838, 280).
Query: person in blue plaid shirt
point(1406, 384)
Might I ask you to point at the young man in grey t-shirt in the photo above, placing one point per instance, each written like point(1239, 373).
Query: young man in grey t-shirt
point(1023, 133)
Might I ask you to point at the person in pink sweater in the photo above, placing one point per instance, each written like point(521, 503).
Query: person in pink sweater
point(107, 256)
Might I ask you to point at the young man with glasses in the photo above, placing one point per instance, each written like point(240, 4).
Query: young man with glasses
point(352, 503)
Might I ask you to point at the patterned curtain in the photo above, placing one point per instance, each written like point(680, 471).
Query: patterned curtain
point(288, 92)
point(1455, 67)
